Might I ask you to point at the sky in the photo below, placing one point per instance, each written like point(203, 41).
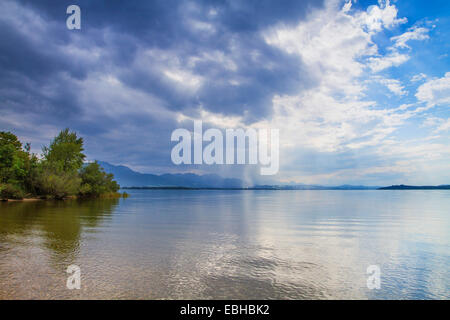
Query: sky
point(359, 90)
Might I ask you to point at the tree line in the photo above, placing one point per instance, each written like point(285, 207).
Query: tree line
point(58, 173)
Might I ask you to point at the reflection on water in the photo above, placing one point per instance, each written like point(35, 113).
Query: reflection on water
point(175, 244)
point(38, 239)
point(59, 224)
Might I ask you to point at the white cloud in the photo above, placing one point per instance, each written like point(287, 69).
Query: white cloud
point(396, 58)
point(431, 121)
point(335, 116)
point(214, 56)
point(415, 33)
point(383, 16)
point(167, 63)
point(336, 45)
point(445, 126)
point(418, 77)
point(435, 91)
point(394, 86)
point(184, 78)
point(383, 62)
point(329, 42)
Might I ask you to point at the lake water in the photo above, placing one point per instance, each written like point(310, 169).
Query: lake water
point(211, 244)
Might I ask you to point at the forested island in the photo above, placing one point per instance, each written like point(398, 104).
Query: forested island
point(405, 187)
point(60, 172)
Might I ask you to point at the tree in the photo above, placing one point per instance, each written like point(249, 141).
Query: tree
point(95, 181)
point(58, 184)
point(9, 191)
point(65, 152)
point(33, 168)
point(59, 174)
point(8, 138)
point(13, 166)
point(10, 146)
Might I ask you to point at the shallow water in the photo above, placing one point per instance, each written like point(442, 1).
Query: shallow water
point(212, 244)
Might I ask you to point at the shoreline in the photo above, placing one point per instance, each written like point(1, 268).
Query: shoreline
point(106, 196)
point(22, 200)
point(291, 189)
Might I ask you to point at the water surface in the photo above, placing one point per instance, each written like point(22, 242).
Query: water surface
point(213, 244)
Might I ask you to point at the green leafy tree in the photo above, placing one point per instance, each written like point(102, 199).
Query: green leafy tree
point(59, 174)
point(58, 184)
point(13, 166)
point(95, 181)
point(10, 163)
point(10, 191)
point(33, 168)
point(8, 138)
point(65, 152)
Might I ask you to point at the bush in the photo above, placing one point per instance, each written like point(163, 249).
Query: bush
point(9, 191)
point(95, 181)
point(59, 185)
point(60, 173)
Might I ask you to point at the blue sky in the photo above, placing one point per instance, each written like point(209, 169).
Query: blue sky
point(359, 90)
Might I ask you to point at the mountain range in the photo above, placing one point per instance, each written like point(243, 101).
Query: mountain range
point(129, 178)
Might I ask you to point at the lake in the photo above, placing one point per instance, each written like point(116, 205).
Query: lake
point(219, 244)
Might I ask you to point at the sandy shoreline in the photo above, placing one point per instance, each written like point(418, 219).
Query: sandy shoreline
point(22, 200)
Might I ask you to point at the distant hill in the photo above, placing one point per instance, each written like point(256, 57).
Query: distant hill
point(312, 187)
point(404, 187)
point(129, 178)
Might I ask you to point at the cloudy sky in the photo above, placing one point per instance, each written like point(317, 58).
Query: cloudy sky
point(359, 90)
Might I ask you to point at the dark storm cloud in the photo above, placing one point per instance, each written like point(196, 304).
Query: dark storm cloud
point(167, 25)
point(44, 66)
point(163, 16)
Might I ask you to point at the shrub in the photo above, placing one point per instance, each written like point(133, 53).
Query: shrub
point(95, 181)
point(9, 191)
point(59, 185)
point(60, 173)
